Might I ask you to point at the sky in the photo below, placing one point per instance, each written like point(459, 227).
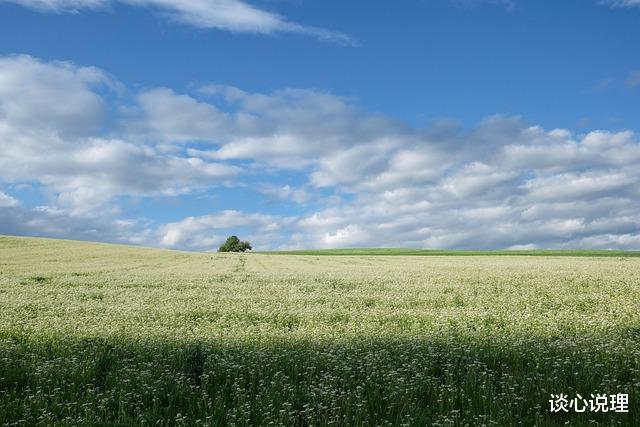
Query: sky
point(463, 124)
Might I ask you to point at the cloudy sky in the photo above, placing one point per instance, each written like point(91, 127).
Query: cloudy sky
point(321, 124)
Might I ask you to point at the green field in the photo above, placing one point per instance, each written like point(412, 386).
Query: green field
point(94, 334)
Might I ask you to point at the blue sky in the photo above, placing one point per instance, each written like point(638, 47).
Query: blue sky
point(423, 123)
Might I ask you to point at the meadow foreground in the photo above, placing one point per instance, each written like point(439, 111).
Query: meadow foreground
point(93, 334)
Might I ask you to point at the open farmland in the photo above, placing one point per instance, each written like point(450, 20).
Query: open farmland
point(93, 333)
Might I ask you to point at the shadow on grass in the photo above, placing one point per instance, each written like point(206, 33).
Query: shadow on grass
point(457, 380)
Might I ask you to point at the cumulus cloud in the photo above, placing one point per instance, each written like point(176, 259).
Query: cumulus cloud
point(57, 96)
point(208, 231)
point(501, 197)
point(172, 117)
point(230, 15)
point(285, 193)
point(500, 184)
point(6, 201)
point(47, 221)
point(289, 128)
point(534, 188)
point(51, 120)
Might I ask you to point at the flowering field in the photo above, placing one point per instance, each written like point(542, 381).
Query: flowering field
point(96, 334)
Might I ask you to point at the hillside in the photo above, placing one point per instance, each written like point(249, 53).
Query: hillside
point(94, 333)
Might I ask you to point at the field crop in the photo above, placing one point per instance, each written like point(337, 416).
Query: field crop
point(95, 334)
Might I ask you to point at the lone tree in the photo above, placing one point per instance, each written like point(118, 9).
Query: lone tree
point(233, 244)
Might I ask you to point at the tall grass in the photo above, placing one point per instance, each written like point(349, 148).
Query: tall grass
point(110, 335)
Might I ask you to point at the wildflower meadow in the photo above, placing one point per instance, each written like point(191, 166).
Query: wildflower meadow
point(94, 334)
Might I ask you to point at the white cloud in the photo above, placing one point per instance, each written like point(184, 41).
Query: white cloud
point(536, 187)
point(209, 231)
point(571, 186)
point(6, 201)
point(181, 118)
point(289, 128)
point(621, 3)
point(230, 15)
point(56, 96)
point(55, 222)
point(475, 178)
point(285, 192)
point(502, 183)
point(50, 116)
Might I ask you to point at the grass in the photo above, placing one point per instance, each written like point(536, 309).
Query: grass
point(95, 334)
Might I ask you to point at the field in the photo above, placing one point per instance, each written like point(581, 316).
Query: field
point(95, 334)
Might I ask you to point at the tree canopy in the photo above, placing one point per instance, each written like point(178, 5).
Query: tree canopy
point(233, 244)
